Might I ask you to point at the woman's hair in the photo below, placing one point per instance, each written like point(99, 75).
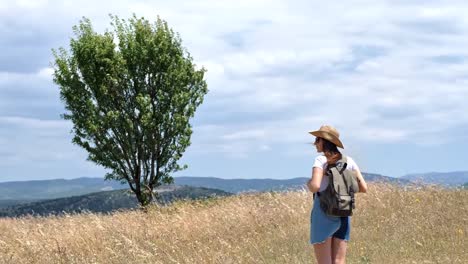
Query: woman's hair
point(331, 151)
point(329, 146)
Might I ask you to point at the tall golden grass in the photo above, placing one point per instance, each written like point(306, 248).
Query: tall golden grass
point(390, 225)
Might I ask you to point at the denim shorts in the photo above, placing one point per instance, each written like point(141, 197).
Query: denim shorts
point(323, 226)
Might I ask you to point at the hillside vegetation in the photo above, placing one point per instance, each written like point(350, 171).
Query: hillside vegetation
point(391, 225)
point(105, 202)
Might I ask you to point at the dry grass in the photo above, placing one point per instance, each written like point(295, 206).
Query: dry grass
point(391, 225)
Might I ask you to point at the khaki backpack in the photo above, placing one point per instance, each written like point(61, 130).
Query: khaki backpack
point(338, 198)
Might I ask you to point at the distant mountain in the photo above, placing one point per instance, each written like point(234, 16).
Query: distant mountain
point(372, 177)
point(260, 185)
point(455, 178)
point(107, 201)
point(241, 185)
point(50, 189)
point(14, 193)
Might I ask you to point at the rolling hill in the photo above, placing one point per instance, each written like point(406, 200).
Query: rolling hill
point(105, 202)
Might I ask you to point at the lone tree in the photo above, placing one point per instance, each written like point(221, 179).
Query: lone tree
point(130, 94)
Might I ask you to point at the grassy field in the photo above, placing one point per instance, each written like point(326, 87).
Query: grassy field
point(390, 225)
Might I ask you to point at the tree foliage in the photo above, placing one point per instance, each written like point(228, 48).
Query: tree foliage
point(130, 94)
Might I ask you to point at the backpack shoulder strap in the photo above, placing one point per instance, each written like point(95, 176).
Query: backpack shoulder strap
point(344, 159)
point(338, 169)
point(340, 165)
point(344, 162)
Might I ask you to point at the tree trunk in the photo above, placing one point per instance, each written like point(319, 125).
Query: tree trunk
point(145, 196)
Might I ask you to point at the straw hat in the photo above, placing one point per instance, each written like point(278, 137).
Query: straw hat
point(329, 133)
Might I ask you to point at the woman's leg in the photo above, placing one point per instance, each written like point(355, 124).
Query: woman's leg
point(323, 252)
point(339, 243)
point(338, 251)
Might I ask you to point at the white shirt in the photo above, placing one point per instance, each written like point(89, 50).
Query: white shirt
point(321, 162)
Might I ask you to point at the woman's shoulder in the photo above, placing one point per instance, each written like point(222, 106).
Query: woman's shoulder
point(321, 158)
point(320, 161)
point(351, 163)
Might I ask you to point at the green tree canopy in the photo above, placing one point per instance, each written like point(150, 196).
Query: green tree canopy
point(130, 94)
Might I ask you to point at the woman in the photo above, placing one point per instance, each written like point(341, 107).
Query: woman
point(329, 234)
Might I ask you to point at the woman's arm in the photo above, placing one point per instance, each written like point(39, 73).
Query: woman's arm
point(314, 182)
point(361, 182)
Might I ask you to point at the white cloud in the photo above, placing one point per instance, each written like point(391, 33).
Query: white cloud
point(33, 123)
point(381, 71)
point(35, 140)
point(31, 4)
point(246, 134)
point(46, 73)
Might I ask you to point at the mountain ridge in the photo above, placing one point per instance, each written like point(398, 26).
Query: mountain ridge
point(453, 178)
point(57, 188)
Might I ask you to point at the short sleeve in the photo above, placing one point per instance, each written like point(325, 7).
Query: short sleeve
point(320, 162)
point(352, 164)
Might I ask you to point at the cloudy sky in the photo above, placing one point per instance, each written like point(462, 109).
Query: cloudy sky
point(392, 77)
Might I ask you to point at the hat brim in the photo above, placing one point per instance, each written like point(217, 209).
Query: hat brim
point(328, 136)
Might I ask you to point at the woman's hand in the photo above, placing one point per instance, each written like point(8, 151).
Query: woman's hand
point(309, 184)
point(361, 182)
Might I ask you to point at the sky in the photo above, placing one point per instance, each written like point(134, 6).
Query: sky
point(391, 76)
